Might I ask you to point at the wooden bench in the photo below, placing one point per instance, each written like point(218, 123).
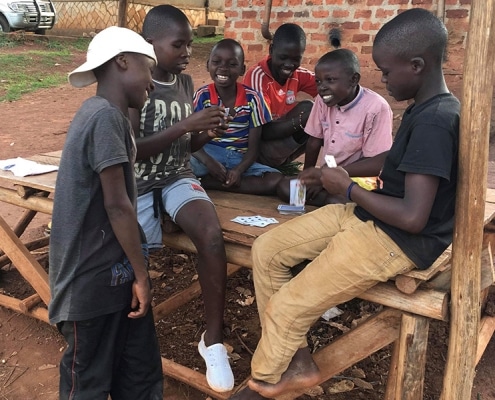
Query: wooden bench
point(409, 302)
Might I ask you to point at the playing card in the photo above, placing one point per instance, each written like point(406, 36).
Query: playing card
point(330, 160)
point(255, 220)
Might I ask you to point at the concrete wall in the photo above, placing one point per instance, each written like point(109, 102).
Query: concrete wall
point(80, 17)
point(359, 20)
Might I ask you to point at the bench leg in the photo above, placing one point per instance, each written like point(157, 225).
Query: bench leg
point(407, 366)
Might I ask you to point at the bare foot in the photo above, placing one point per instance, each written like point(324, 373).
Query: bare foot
point(302, 373)
point(247, 394)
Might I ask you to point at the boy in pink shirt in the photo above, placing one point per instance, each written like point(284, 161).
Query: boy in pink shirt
point(350, 123)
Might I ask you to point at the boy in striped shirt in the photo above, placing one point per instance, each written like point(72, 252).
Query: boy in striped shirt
point(229, 162)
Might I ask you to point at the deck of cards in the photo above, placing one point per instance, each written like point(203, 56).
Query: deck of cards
point(255, 220)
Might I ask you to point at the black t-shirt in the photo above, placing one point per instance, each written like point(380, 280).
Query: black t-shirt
point(427, 142)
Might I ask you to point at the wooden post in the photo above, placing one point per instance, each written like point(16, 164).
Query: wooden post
point(470, 202)
point(122, 14)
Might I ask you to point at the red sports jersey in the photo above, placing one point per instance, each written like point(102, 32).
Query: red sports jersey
point(280, 99)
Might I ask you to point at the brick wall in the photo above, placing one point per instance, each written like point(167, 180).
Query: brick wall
point(359, 20)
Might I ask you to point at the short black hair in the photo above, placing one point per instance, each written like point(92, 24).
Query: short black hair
point(289, 33)
point(414, 33)
point(346, 57)
point(229, 44)
point(160, 18)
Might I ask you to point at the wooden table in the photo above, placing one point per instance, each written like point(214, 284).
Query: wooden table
point(32, 194)
point(409, 302)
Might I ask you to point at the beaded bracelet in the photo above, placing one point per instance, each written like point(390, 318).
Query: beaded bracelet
point(349, 189)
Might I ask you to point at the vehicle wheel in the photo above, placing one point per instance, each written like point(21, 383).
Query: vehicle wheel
point(4, 25)
point(40, 31)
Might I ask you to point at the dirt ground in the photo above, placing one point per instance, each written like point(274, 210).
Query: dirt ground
point(30, 350)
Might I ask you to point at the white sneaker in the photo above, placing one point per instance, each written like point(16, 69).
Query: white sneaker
point(218, 372)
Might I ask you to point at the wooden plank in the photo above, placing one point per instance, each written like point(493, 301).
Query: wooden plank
point(392, 373)
point(411, 357)
point(35, 203)
point(487, 328)
point(470, 212)
point(442, 280)
point(16, 305)
point(428, 303)
point(355, 345)
point(24, 261)
point(33, 245)
point(191, 378)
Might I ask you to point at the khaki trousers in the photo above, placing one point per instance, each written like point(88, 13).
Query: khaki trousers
point(348, 257)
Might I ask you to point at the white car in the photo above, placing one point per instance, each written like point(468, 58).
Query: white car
point(28, 15)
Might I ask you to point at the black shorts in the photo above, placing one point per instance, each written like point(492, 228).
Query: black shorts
point(111, 355)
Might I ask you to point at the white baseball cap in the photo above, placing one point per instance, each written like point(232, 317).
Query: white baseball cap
point(103, 47)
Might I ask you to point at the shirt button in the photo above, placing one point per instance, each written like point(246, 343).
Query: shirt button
point(333, 141)
point(392, 254)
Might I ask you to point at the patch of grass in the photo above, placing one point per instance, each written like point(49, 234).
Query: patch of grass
point(208, 39)
point(26, 71)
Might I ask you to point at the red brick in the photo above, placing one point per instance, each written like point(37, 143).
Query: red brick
point(320, 14)
point(247, 35)
point(243, 4)
point(255, 25)
point(318, 37)
point(340, 13)
point(390, 2)
point(242, 24)
point(374, 2)
point(229, 14)
point(366, 49)
point(302, 14)
point(253, 48)
point(368, 26)
point(362, 14)
point(284, 15)
point(415, 2)
point(382, 13)
point(230, 34)
point(459, 13)
point(310, 25)
point(313, 3)
point(355, 2)
point(249, 14)
point(350, 25)
point(278, 3)
point(334, 2)
point(464, 2)
point(310, 49)
point(228, 4)
point(360, 37)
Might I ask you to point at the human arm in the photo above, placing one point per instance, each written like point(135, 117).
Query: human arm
point(234, 175)
point(409, 213)
point(215, 169)
point(313, 147)
point(367, 166)
point(204, 121)
point(124, 223)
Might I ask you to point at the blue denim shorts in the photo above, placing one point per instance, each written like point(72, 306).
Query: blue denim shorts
point(174, 196)
point(229, 159)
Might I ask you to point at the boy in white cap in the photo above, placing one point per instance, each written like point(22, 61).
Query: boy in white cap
point(98, 258)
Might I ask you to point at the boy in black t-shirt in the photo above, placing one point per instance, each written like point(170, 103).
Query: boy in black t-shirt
point(98, 274)
point(406, 223)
